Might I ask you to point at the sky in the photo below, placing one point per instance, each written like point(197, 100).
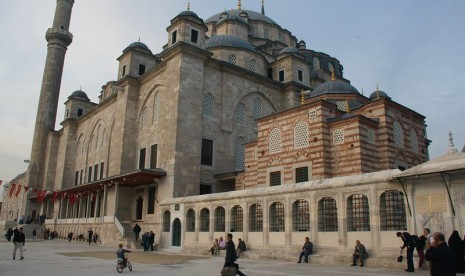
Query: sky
point(414, 50)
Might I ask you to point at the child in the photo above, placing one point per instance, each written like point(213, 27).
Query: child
point(120, 253)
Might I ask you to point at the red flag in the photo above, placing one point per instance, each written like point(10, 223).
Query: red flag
point(63, 195)
point(12, 188)
point(55, 195)
point(42, 195)
point(26, 188)
point(72, 198)
point(18, 190)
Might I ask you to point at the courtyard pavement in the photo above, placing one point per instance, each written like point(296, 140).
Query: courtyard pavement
point(42, 258)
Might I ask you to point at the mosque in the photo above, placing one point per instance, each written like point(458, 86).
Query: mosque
point(234, 126)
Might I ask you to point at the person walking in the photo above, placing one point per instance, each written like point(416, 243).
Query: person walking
point(34, 234)
point(408, 242)
point(455, 243)
point(360, 252)
point(136, 231)
point(90, 235)
point(19, 239)
point(442, 257)
point(152, 240)
point(231, 257)
point(307, 249)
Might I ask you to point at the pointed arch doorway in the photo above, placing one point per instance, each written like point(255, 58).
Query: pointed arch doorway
point(176, 234)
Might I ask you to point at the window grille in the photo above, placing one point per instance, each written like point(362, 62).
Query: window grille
point(156, 108)
point(144, 118)
point(253, 65)
point(153, 156)
point(256, 218)
point(275, 141)
point(239, 154)
point(208, 105)
point(142, 158)
point(342, 105)
point(327, 215)
point(312, 114)
point(232, 59)
point(414, 140)
point(316, 64)
point(358, 213)
point(300, 135)
point(338, 136)
point(300, 216)
point(190, 220)
point(102, 165)
point(398, 135)
point(257, 108)
point(220, 219)
point(392, 211)
point(166, 221)
point(277, 217)
point(301, 174)
point(207, 152)
point(240, 114)
point(371, 136)
point(204, 220)
point(275, 178)
point(237, 219)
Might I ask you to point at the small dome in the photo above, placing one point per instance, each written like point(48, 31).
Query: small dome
point(139, 45)
point(289, 50)
point(334, 87)
point(228, 41)
point(79, 94)
point(189, 13)
point(378, 94)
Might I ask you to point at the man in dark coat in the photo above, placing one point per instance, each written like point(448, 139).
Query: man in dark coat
point(136, 231)
point(91, 234)
point(408, 242)
point(441, 256)
point(360, 252)
point(18, 240)
point(152, 240)
point(307, 249)
point(231, 254)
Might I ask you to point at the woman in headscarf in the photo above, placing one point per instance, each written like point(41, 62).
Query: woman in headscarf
point(455, 243)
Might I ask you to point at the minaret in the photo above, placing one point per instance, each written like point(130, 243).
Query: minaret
point(58, 38)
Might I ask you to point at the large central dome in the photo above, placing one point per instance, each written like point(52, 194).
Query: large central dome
point(252, 15)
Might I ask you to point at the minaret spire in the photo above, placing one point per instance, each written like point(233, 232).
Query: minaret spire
point(239, 5)
point(58, 38)
point(452, 148)
point(263, 7)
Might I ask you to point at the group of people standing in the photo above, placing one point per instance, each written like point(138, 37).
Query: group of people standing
point(444, 258)
point(147, 238)
point(220, 244)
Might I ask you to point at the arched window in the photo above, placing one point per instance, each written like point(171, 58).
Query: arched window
point(327, 215)
point(316, 64)
point(253, 65)
point(232, 59)
point(300, 216)
point(237, 219)
point(277, 217)
point(219, 219)
point(144, 118)
point(256, 218)
point(414, 140)
point(204, 220)
point(358, 213)
point(267, 34)
point(300, 135)
point(257, 108)
point(208, 105)
point(190, 220)
point(392, 211)
point(398, 135)
point(156, 108)
point(275, 141)
point(166, 221)
point(240, 114)
point(239, 154)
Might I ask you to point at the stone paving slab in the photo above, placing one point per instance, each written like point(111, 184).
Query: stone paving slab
point(44, 258)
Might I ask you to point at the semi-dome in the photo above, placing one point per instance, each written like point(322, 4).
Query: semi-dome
point(79, 94)
point(251, 14)
point(228, 41)
point(289, 50)
point(334, 87)
point(378, 94)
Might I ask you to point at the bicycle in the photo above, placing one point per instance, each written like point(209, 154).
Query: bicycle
point(120, 264)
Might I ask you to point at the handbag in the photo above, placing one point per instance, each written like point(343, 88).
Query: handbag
point(400, 258)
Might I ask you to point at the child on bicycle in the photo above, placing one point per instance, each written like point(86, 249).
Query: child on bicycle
point(120, 254)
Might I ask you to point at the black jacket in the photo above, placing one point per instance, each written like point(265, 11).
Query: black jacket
point(442, 260)
point(230, 253)
point(19, 236)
